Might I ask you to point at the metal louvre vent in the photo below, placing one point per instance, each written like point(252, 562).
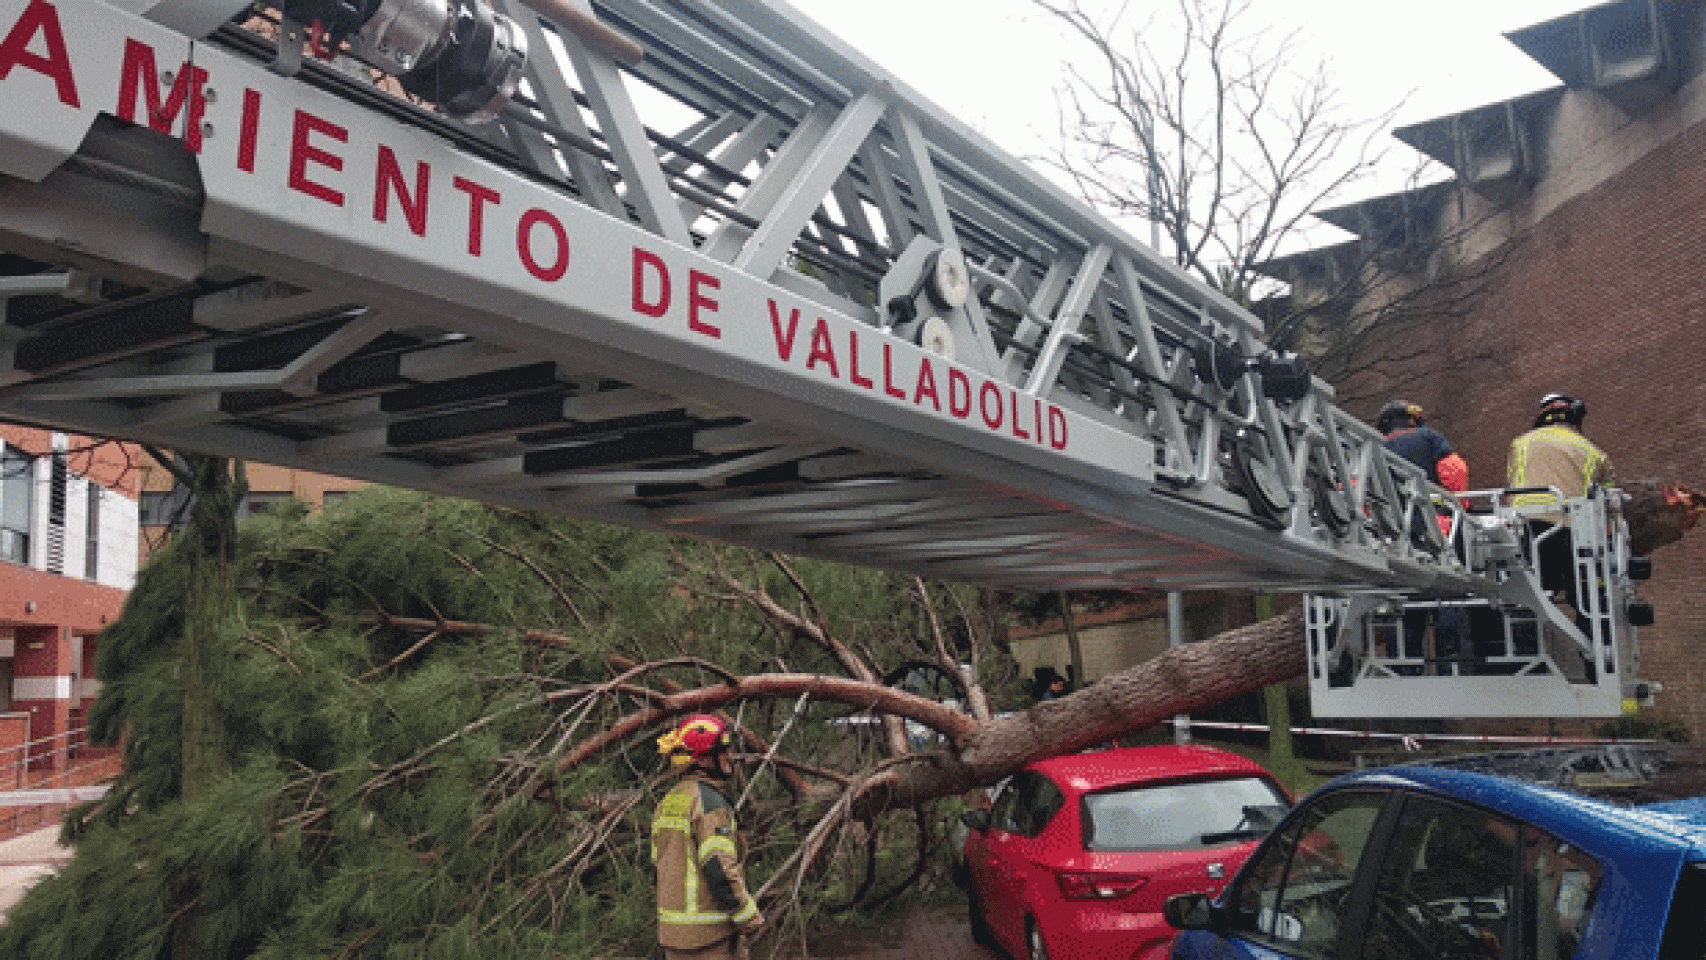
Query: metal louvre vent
point(57, 483)
point(55, 548)
point(92, 534)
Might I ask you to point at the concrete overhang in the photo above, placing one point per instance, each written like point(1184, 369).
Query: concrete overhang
point(1633, 52)
point(1491, 147)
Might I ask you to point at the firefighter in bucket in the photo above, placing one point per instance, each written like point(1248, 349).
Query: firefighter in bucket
point(704, 909)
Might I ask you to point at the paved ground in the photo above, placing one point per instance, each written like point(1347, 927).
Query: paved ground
point(26, 859)
point(927, 934)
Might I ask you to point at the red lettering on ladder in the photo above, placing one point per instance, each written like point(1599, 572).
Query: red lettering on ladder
point(888, 374)
point(43, 18)
point(478, 197)
point(249, 130)
point(991, 389)
point(1018, 431)
point(822, 349)
point(784, 341)
point(524, 245)
point(139, 72)
point(926, 386)
point(302, 152)
point(959, 394)
point(1056, 427)
point(644, 260)
point(390, 178)
point(698, 303)
point(853, 375)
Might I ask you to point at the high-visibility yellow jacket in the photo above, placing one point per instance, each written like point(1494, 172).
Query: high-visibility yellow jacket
point(702, 895)
point(1556, 455)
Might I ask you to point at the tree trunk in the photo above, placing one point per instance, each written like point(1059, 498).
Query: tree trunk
point(1659, 513)
point(1182, 680)
point(1074, 647)
point(1276, 710)
point(210, 600)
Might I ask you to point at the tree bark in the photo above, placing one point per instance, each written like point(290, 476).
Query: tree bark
point(210, 600)
point(1074, 646)
point(1276, 707)
point(1659, 513)
point(1182, 680)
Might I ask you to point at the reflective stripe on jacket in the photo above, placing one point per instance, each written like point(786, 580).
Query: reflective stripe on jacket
point(1556, 456)
point(702, 896)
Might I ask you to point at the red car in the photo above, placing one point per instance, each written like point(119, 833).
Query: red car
point(1078, 853)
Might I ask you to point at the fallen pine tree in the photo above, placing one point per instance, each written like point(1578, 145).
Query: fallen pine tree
point(436, 721)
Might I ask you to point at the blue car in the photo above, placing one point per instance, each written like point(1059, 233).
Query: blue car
point(1432, 863)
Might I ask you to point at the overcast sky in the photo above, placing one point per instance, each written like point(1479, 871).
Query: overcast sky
point(995, 63)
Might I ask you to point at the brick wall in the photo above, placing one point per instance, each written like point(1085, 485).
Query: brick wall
point(113, 464)
point(1604, 299)
point(1121, 637)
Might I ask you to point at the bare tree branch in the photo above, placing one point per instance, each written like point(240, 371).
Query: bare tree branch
point(1206, 125)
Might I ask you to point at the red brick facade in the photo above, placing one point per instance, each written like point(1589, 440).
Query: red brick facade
point(113, 464)
point(1604, 299)
point(50, 622)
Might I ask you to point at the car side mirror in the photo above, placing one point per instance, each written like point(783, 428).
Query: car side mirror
point(976, 820)
point(1191, 911)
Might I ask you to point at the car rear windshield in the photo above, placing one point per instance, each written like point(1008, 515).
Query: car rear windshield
point(1172, 816)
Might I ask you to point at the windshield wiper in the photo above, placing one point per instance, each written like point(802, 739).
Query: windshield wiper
point(1243, 833)
point(1261, 819)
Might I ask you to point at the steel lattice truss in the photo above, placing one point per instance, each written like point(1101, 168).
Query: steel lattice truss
point(703, 294)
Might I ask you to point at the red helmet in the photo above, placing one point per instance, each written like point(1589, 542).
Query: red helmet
point(695, 737)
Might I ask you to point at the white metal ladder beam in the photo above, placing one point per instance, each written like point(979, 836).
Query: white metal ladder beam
point(556, 99)
point(801, 197)
point(642, 176)
point(773, 386)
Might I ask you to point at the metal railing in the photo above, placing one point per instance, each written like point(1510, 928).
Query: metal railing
point(42, 777)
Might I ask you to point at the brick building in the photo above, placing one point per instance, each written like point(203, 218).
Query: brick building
point(269, 486)
point(77, 517)
point(1578, 215)
point(68, 548)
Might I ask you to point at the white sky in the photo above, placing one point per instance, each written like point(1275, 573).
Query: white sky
point(995, 63)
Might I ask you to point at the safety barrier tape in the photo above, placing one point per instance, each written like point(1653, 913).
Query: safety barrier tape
point(1409, 737)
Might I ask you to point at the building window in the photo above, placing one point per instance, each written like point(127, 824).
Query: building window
point(16, 498)
point(255, 504)
point(92, 536)
point(163, 508)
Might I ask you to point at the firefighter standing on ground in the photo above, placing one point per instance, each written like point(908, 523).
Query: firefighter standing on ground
point(704, 909)
point(1555, 454)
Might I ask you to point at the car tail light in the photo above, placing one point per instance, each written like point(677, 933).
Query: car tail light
point(1098, 886)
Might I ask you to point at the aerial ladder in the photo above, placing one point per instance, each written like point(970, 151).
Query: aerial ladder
point(695, 266)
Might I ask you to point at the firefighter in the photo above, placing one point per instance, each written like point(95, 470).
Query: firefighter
point(1404, 425)
point(704, 909)
point(1555, 454)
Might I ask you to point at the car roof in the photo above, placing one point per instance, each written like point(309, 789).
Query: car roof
point(1099, 769)
point(1590, 823)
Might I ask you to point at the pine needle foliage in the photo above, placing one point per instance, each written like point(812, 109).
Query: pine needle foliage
point(399, 676)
